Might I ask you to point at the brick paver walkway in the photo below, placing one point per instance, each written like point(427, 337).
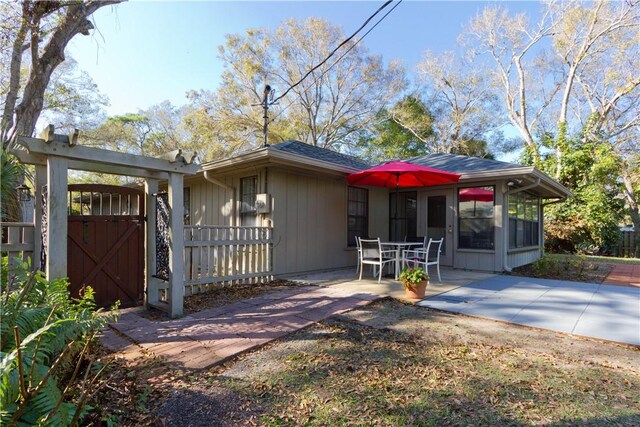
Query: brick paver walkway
point(624, 275)
point(209, 337)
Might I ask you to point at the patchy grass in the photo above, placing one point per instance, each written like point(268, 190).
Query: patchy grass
point(357, 375)
point(565, 267)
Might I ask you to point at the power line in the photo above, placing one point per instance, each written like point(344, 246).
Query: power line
point(358, 41)
point(347, 40)
point(345, 53)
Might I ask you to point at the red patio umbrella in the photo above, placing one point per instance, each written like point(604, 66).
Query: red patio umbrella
point(402, 174)
point(477, 194)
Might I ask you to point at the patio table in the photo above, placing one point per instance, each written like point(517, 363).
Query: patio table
point(399, 247)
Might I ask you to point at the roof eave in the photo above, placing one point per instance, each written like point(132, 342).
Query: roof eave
point(562, 191)
point(278, 157)
point(282, 157)
point(502, 173)
point(259, 154)
point(552, 186)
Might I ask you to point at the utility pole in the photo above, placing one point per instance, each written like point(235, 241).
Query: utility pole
point(266, 102)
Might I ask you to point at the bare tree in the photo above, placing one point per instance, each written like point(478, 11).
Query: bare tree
point(461, 99)
point(44, 30)
point(72, 99)
point(507, 39)
point(538, 65)
point(330, 108)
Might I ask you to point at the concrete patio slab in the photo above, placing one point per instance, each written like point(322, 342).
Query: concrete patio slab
point(346, 281)
point(599, 311)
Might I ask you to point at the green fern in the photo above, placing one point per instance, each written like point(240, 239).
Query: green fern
point(44, 332)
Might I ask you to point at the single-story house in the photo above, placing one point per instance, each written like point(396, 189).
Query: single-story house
point(492, 219)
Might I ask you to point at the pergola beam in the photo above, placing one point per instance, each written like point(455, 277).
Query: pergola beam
point(91, 154)
point(83, 165)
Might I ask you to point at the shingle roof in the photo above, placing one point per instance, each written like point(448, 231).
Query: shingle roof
point(461, 164)
point(302, 149)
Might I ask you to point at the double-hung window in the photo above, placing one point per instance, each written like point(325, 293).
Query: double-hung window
point(248, 194)
point(357, 214)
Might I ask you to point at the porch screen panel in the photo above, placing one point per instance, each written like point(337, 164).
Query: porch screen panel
point(524, 220)
point(357, 214)
point(476, 218)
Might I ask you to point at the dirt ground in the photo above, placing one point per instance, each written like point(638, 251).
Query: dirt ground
point(575, 268)
point(212, 398)
point(441, 327)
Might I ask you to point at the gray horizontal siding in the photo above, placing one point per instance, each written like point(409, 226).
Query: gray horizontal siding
point(517, 259)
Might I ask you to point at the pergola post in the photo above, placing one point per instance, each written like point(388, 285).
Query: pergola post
point(152, 296)
point(57, 226)
point(176, 244)
point(55, 154)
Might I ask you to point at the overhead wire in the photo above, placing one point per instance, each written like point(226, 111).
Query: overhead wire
point(340, 58)
point(359, 40)
point(347, 40)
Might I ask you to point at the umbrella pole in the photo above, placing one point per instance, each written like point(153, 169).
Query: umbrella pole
point(395, 215)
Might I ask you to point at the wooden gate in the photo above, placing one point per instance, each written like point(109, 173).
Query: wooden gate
point(106, 243)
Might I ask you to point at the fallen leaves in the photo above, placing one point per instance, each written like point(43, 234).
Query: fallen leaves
point(382, 377)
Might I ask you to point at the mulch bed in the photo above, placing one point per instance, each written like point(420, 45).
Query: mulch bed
point(223, 296)
point(572, 270)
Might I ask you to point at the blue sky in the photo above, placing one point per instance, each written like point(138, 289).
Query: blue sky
point(145, 52)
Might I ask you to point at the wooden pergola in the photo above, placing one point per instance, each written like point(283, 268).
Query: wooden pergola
point(53, 155)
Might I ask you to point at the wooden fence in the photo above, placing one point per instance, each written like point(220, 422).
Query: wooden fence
point(17, 242)
point(223, 255)
point(627, 244)
point(213, 255)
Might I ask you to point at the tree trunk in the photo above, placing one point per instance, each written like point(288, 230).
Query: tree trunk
point(28, 111)
point(14, 81)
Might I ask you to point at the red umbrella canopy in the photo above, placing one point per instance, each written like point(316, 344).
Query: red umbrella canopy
point(477, 194)
point(402, 174)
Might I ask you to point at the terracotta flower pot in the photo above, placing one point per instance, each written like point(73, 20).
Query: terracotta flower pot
point(417, 291)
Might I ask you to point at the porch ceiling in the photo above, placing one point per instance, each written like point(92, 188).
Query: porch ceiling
point(547, 188)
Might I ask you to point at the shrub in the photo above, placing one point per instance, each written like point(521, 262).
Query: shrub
point(546, 266)
point(45, 338)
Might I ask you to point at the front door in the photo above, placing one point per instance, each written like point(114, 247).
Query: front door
point(439, 221)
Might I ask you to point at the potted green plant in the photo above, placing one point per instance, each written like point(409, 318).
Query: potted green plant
point(415, 281)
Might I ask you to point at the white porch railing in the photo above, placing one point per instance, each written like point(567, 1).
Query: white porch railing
point(17, 242)
point(224, 255)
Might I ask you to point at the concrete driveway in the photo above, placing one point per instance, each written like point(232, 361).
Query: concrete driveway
point(599, 311)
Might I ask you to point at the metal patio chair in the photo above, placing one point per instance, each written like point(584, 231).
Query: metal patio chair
point(425, 256)
point(371, 253)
